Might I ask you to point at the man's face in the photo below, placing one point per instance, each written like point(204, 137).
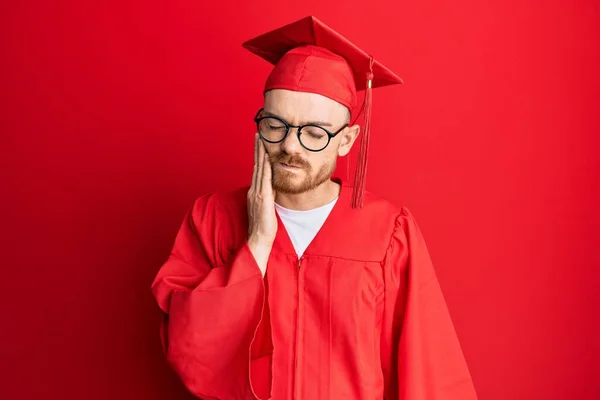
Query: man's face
point(296, 169)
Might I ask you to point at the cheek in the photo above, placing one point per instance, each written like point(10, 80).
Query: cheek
point(318, 162)
point(272, 148)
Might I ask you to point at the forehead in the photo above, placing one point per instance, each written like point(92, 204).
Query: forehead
point(299, 107)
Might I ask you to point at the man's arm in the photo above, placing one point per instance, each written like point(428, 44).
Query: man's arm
point(421, 354)
point(212, 310)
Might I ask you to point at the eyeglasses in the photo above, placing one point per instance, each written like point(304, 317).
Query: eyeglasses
point(312, 137)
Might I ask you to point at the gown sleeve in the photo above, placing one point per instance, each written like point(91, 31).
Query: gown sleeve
point(212, 307)
point(421, 355)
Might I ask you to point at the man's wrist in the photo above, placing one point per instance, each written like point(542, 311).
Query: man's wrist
point(260, 244)
point(260, 249)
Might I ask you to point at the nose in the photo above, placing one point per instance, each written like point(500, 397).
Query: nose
point(291, 144)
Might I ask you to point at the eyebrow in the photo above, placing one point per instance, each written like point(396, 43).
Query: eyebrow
point(321, 123)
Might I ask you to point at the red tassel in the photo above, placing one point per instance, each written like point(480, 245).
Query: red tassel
point(361, 168)
point(348, 168)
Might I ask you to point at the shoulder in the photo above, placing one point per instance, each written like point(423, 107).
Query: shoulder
point(382, 212)
point(220, 200)
point(376, 205)
point(219, 220)
point(402, 232)
point(377, 224)
point(220, 207)
point(401, 235)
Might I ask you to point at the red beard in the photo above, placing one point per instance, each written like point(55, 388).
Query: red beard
point(288, 182)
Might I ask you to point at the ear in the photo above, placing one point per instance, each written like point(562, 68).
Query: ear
point(347, 140)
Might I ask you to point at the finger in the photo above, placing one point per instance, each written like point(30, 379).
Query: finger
point(261, 161)
point(255, 167)
point(266, 185)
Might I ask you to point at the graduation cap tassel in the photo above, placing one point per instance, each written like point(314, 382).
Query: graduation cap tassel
point(361, 168)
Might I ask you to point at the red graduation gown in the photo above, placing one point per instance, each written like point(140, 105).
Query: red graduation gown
point(359, 316)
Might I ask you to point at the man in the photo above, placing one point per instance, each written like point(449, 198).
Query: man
point(301, 287)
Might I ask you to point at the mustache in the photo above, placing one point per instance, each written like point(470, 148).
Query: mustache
point(294, 161)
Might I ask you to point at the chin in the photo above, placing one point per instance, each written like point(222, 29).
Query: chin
point(290, 186)
point(295, 184)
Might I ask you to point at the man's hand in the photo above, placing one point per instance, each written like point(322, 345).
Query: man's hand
point(262, 226)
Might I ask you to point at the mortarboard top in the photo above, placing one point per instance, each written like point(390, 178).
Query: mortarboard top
point(309, 56)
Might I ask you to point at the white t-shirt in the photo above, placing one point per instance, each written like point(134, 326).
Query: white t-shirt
point(302, 226)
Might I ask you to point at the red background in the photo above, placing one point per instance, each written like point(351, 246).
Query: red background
point(115, 116)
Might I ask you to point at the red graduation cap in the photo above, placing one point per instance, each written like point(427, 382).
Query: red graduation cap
point(311, 57)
